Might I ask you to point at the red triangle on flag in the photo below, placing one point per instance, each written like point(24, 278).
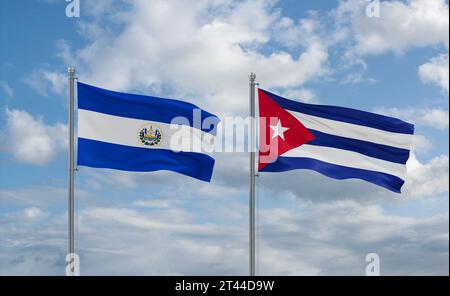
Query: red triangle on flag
point(279, 130)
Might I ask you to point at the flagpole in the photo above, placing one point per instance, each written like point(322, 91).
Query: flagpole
point(71, 201)
point(252, 78)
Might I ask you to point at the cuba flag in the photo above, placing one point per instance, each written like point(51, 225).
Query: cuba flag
point(340, 143)
point(142, 133)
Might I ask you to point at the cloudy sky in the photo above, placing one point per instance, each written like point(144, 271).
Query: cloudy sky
point(320, 51)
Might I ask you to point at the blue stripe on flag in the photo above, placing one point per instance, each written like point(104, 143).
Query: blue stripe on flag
point(105, 155)
point(380, 151)
point(141, 107)
point(282, 164)
point(348, 115)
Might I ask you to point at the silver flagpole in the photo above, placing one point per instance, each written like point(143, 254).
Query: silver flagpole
point(71, 72)
point(252, 78)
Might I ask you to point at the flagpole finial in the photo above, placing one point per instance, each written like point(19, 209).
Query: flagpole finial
point(71, 71)
point(252, 76)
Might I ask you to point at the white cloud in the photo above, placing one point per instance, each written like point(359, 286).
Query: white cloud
point(44, 82)
point(421, 144)
point(31, 215)
point(34, 214)
point(4, 86)
point(329, 238)
point(39, 197)
point(401, 25)
point(357, 77)
point(153, 203)
point(176, 224)
point(427, 179)
point(207, 53)
point(437, 118)
point(30, 140)
point(436, 72)
point(341, 233)
point(303, 33)
point(433, 117)
point(65, 54)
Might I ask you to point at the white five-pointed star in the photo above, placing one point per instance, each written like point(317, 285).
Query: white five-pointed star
point(278, 130)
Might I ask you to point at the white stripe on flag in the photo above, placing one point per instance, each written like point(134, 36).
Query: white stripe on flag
point(125, 131)
point(354, 131)
point(348, 159)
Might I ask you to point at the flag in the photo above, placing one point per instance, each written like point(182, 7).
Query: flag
point(134, 133)
point(337, 142)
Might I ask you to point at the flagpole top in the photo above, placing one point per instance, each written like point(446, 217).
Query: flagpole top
point(71, 71)
point(252, 77)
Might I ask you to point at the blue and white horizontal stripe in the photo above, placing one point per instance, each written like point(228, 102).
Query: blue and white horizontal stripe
point(349, 144)
point(109, 123)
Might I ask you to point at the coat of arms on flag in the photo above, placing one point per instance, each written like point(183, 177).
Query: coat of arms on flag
point(150, 135)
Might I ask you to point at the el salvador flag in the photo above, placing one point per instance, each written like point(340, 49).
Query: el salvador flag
point(337, 142)
point(134, 133)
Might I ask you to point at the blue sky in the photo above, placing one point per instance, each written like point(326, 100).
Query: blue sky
point(326, 52)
